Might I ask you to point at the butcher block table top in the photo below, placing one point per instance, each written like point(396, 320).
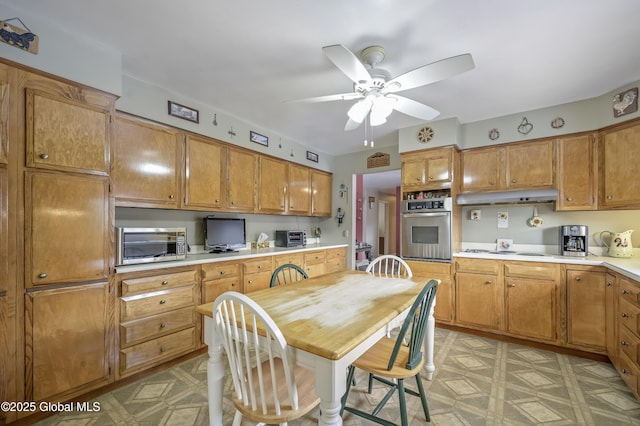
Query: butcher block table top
point(331, 314)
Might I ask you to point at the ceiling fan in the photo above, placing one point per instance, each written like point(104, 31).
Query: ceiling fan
point(375, 89)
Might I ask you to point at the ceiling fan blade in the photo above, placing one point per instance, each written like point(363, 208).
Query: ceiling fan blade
point(328, 98)
point(351, 125)
point(430, 73)
point(414, 109)
point(347, 62)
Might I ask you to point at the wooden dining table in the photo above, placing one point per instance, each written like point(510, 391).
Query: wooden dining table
point(328, 321)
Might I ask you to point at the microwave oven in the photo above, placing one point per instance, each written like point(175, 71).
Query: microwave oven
point(291, 239)
point(146, 245)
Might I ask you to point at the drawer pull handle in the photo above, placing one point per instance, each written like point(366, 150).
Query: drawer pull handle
point(512, 285)
point(578, 279)
point(259, 266)
point(165, 282)
point(250, 281)
point(625, 371)
point(162, 349)
point(42, 275)
point(625, 292)
point(609, 283)
point(624, 315)
point(221, 272)
point(163, 325)
point(162, 302)
point(233, 284)
point(624, 343)
point(489, 282)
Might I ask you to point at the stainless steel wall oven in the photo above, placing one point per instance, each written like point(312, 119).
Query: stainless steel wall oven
point(426, 229)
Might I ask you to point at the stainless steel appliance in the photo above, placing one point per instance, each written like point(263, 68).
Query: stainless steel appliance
point(291, 239)
point(426, 229)
point(574, 240)
point(146, 245)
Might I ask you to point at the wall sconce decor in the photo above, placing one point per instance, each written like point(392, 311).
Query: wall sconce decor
point(372, 200)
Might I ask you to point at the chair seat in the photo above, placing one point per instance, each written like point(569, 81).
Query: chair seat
point(376, 360)
point(307, 398)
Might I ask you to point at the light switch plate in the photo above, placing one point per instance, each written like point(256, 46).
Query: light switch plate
point(504, 244)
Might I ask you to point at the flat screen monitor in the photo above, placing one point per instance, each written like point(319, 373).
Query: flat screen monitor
point(224, 234)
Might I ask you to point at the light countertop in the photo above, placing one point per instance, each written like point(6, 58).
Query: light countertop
point(199, 258)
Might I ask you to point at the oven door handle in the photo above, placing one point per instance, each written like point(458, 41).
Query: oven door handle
point(434, 214)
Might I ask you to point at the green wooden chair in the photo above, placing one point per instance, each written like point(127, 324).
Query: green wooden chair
point(391, 361)
point(287, 273)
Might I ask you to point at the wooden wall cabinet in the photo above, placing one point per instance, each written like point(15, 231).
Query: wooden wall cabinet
point(157, 321)
point(7, 95)
point(619, 159)
point(576, 173)
point(68, 341)
point(299, 194)
point(320, 193)
point(204, 174)
point(444, 309)
point(525, 165)
point(273, 184)
point(242, 172)
point(146, 165)
point(432, 168)
point(68, 127)
point(67, 228)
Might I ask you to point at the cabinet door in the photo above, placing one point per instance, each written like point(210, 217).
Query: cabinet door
point(439, 167)
point(620, 154)
point(241, 167)
point(7, 93)
point(531, 307)
point(321, 193)
point(443, 311)
point(478, 300)
point(68, 341)
point(299, 190)
point(576, 173)
point(586, 310)
point(67, 228)
point(272, 189)
point(529, 165)
point(67, 127)
point(204, 170)
point(481, 170)
point(4, 231)
point(214, 288)
point(146, 164)
point(413, 173)
point(611, 317)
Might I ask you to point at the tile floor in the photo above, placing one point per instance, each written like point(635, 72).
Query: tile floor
point(478, 381)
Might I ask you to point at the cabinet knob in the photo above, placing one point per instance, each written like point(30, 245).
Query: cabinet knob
point(625, 292)
point(250, 281)
point(578, 279)
point(430, 177)
point(259, 266)
point(162, 302)
point(165, 282)
point(233, 284)
point(171, 196)
point(163, 325)
point(609, 197)
point(609, 283)
point(625, 371)
point(492, 183)
point(43, 275)
point(489, 282)
point(44, 156)
point(233, 203)
point(221, 272)
point(624, 343)
point(569, 199)
point(514, 180)
point(217, 201)
point(162, 349)
point(511, 285)
point(624, 315)
point(418, 179)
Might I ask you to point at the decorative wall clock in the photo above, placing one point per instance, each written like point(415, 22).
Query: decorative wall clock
point(425, 134)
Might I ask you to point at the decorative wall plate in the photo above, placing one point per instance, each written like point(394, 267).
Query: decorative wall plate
point(525, 127)
point(494, 134)
point(557, 122)
point(425, 134)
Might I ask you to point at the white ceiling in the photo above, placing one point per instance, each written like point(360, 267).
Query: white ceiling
point(247, 57)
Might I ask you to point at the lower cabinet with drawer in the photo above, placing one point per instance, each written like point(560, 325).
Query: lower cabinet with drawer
point(336, 260)
point(257, 273)
point(627, 359)
point(314, 262)
point(157, 317)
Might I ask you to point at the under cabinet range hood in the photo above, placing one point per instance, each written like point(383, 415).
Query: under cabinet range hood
point(509, 197)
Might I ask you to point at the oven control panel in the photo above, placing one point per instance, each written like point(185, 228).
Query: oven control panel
point(428, 204)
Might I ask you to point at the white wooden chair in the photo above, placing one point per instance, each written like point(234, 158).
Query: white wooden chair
point(389, 264)
point(268, 387)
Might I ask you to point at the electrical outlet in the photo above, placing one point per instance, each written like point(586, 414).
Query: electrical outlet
point(503, 219)
point(474, 214)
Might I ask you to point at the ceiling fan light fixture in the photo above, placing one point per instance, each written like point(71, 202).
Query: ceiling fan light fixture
point(359, 110)
point(381, 109)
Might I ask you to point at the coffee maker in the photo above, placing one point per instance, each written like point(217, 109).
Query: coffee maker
point(574, 240)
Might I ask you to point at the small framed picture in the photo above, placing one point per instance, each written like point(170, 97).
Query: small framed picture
point(184, 112)
point(625, 102)
point(312, 156)
point(258, 138)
